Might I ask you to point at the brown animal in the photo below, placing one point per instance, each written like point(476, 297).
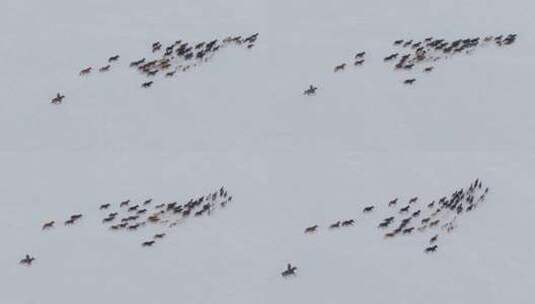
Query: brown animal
point(85, 71)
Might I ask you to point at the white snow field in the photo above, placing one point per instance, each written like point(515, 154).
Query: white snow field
point(289, 161)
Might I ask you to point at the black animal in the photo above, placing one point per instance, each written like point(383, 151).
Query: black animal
point(57, 99)
point(27, 260)
point(311, 229)
point(431, 249)
point(48, 225)
point(147, 84)
point(359, 62)
point(159, 235)
point(409, 81)
point(348, 222)
point(408, 230)
point(428, 69)
point(335, 225)
point(113, 58)
point(398, 42)
point(146, 202)
point(430, 205)
point(124, 203)
point(339, 67)
point(290, 270)
point(138, 62)
point(416, 213)
point(433, 239)
point(360, 55)
point(310, 91)
point(413, 200)
point(404, 209)
point(147, 243)
point(390, 57)
point(104, 68)
point(104, 206)
point(133, 208)
point(69, 222)
point(392, 202)
point(368, 209)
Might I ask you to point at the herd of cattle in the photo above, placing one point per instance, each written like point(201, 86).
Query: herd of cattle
point(177, 57)
point(411, 54)
point(435, 217)
point(130, 216)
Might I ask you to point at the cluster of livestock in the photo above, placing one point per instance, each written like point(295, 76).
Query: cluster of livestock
point(425, 53)
point(438, 215)
point(177, 57)
point(130, 216)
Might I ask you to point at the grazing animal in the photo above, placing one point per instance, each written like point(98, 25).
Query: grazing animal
point(392, 202)
point(146, 84)
point(133, 208)
point(76, 216)
point(85, 71)
point(368, 209)
point(146, 202)
point(290, 270)
point(104, 206)
point(311, 229)
point(339, 67)
point(170, 74)
point(428, 69)
point(108, 219)
point(159, 235)
point(416, 213)
point(398, 42)
point(434, 223)
point(141, 211)
point(390, 235)
point(383, 224)
point(348, 222)
point(57, 99)
point(426, 220)
point(137, 62)
point(413, 200)
point(69, 222)
point(104, 68)
point(390, 57)
point(359, 62)
point(430, 205)
point(27, 260)
point(409, 81)
point(335, 225)
point(159, 206)
point(148, 243)
point(124, 203)
point(408, 230)
point(431, 249)
point(48, 225)
point(433, 239)
point(113, 214)
point(310, 91)
point(360, 55)
point(113, 58)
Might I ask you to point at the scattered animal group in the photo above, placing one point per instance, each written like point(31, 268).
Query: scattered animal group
point(131, 217)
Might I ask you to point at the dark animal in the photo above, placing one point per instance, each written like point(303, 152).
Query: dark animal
point(290, 270)
point(404, 209)
point(133, 208)
point(416, 213)
point(170, 74)
point(360, 55)
point(413, 200)
point(390, 57)
point(359, 62)
point(159, 235)
point(433, 239)
point(113, 58)
point(311, 229)
point(310, 91)
point(108, 219)
point(434, 223)
point(390, 235)
point(146, 84)
point(48, 225)
point(141, 211)
point(428, 69)
point(124, 203)
point(58, 99)
point(69, 222)
point(147, 202)
point(398, 42)
point(368, 209)
point(431, 249)
point(408, 230)
point(138, 62)
point(27, 260)
point(85, 71)
point(335, 225)
point(392, 202)
point(430, 205)
point(409, 81)
point(348, 222)
point(159, 206)
point(104, 68)
point(339, 67)
point(104, 206)
point(148, 243)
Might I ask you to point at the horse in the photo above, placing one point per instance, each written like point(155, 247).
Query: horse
point(310, 91)
point(339, 67)
point(57, 99)
point(85, 71)
point(48, 225)
point(27, 260)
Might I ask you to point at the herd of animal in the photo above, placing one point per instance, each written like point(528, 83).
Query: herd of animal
point(415, 216)
point(130, 216)
point(177, 57)
point(425, 53)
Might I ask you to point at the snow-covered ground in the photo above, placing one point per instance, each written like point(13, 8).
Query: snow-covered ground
point(290, 161)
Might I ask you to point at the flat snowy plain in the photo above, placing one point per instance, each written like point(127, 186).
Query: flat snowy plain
point(290, 161)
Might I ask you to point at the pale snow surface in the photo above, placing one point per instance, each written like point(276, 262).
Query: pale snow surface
point(290, 161)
